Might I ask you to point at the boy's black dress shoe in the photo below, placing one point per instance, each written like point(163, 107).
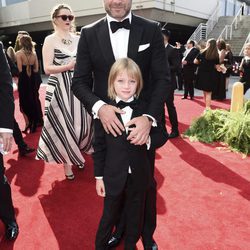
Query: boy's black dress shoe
point(173, 134)
point(12, 231)
point(152, 247)
point(25, 150)
point(114, 241)
point(184, 97)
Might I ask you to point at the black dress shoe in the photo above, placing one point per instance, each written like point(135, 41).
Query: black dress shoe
point(114, 241)
point(191, 98)
point(25, 150)
point(173, 134)
point(11, 231)
point(184, 97)
point(152, 247)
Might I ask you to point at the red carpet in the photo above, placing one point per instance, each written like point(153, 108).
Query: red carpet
point(203, 196)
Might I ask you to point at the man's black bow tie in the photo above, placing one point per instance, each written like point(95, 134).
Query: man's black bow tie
point(122, 104)
point(118, 25)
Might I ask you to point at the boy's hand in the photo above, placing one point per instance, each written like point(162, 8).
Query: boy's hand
point(100, 188)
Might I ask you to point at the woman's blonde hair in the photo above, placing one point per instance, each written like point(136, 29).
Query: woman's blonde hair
point(55, 13)
point(27, 44)
point(133, 71)
point(11, 53)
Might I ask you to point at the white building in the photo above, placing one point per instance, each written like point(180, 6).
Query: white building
point(180, 16)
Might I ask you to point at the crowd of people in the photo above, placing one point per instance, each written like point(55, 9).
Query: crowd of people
point(105, 96)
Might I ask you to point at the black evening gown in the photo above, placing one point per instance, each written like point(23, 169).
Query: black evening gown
point(219, 92)
point(27, 88)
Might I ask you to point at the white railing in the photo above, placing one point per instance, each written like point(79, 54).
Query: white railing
point(247, 41)
point(199, 33)
point(204, 29)
point(213, 19)
point(227, 32)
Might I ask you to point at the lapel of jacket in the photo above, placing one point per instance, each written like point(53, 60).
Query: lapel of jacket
point(102, 33)
point(134, 38)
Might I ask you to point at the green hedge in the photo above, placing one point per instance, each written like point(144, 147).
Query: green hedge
point(231, 128)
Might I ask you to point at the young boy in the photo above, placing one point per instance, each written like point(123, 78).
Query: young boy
point(122, 169)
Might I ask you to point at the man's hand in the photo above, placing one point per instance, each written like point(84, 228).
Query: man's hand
point(110, 121)
point(100, 188)
point(139, 134)
point(6, 139)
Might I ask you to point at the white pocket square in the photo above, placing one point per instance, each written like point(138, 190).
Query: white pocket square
point(143, 47)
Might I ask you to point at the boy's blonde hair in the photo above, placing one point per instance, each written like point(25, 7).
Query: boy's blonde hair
point(133, 71)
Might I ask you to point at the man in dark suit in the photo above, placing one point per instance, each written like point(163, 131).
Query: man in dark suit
point(174, 61)
point(122, 34)
point(189, 69)
point(7, 214)
point(181, 49)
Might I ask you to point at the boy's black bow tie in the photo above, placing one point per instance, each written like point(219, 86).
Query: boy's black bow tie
point(122, 104)
point(118, 25)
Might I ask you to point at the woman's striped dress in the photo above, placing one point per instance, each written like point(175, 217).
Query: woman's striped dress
point(67, 125)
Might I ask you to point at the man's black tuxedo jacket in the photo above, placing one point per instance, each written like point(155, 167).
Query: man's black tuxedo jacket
point(190, 67)
point(6, 93)
point(95, 58)
point(113, 155)
point(174, 62)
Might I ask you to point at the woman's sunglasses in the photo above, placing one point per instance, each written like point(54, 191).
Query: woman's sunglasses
point(65, 17)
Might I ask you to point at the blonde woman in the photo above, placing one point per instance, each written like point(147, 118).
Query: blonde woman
point(67, 125)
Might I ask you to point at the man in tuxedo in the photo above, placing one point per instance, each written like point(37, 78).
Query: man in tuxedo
point(122, 34)
point(189, 69)
point(174, 61)
point(7, 214)
point(181, 49)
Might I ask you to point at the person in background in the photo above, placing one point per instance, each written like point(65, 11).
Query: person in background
point(173, 60)
point(7, 213)
point(27, 64)
point(122, 34)
point(125, 178)
point(228, 61)
point(219, 92)
point(245, 68)
point(11, 53)
point(23, 148)
point(181, 49)
point(37, 75)
point(207, 61)
point(67, 126)
point(189, 69)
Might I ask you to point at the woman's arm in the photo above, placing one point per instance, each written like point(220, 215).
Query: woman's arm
point(241, 65)
point(36, 64)
point(19, 61)
point(222, 55)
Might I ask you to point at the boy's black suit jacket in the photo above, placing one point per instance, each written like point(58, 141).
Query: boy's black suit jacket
point(114, 155)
